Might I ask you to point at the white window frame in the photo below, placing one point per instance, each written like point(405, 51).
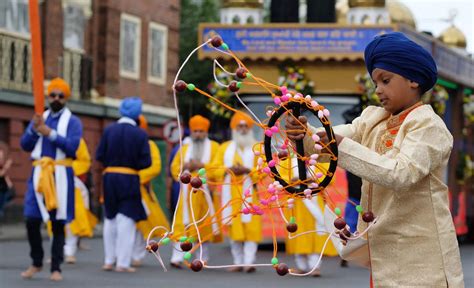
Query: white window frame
point(164, 65)
point(125, 73)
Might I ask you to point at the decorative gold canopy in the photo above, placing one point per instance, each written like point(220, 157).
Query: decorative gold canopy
point(453, 37)
point(242, 3)
point(366, 3)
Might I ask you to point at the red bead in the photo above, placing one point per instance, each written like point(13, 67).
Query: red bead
point(368, 217)
point(340, 223)
point(233, 86)
point(345, 234)
point(241, 73)
point(282, 269)
point(185, 178)
point(152, 246)
point(196, 182)
point(283, 154)
point(186, 246)
point(180, 86)
point(196, 265)
point(291, 227)
point(216, 41)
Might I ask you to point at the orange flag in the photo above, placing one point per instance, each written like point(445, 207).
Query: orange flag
point(36, 57)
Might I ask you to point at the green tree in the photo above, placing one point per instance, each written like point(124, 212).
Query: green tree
point(197, 72)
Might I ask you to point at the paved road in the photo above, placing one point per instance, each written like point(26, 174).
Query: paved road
point(87, 273)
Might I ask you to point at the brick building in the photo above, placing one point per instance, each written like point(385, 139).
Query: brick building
point(106, 50)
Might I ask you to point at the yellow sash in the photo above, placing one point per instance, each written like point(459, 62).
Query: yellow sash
point(120, 170)
point(46, 183)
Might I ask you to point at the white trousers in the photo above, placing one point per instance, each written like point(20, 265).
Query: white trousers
point(70, 244)
point(243, 252)
point(306, 262)
point(139, 247)
point(119, 237)
point(178, 256)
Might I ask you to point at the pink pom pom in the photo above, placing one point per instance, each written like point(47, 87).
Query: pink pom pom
point(269, 113)
point(284, 146)
point(319, 175)
point(326, 112)
point(271, 190)
point(320, 114)
point(307, 192)
point(290, 206)
point(274, 129)
point(312, 162)
point(314, 104)
point(246, 211)
point(277, 100)
point(283, 90)
point(271, 163)
point(268, 132)
point(267, 170)
point(313, 185)
point(308, 97)
point(260, 161)
point(264, 202)
point(247, 192)
point(318, 147)
point(314, 156)
point(316, 138)
point(273, 198)
point(291, 201)
point(285, 98)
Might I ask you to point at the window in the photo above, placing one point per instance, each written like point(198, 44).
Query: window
point(130, 36)
point(157, 53)
point(236, 19)
point(74, 23)
point(14, 16)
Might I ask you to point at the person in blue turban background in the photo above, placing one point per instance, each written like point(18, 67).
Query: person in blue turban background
point(123, 151)
point(400, 151)
point(131, 107)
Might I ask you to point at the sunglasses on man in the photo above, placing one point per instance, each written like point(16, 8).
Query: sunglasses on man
point(54, 95)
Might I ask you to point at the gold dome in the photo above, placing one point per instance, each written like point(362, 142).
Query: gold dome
point(243, 3)
point(453, 37)
point(366, 3)
point(400, 13)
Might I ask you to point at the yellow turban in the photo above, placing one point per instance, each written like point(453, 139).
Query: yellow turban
point(143, 122)
point(240, 117)
point(59, 84)
point(198, 122)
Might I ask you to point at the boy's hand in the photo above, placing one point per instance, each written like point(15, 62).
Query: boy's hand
point(325, 139)
point(296, 128)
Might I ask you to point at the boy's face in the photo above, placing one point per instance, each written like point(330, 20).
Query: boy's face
point(396, 93)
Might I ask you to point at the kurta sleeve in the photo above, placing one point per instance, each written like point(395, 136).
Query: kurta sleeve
point(426, 145)
point(216, 171)
point(176, 164)
point(146, 175)
point(82, 163)
point(29, 138)
point(70, 143)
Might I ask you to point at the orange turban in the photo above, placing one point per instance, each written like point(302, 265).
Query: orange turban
point(143, 122)
point(59, 84)
point(198, 122)
point(240, 117)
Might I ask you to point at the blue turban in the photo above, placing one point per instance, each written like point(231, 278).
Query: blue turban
point(396, 53)
point(131, 107)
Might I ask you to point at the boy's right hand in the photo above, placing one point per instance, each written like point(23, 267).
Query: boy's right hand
point(296, 128)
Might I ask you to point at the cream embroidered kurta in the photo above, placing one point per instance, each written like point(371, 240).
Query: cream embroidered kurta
point(414, 241)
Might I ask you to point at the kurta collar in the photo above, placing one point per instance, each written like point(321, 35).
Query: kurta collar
point(57, 114)
point(126, 120)
point(397, 120)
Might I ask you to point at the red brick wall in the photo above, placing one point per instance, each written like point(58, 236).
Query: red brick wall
point(104, 44)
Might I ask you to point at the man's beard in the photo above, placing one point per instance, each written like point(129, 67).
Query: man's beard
point(56, 106)
point(243, 140)
point(198, 149)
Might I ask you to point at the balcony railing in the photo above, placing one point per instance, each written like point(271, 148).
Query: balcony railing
point(15, 64)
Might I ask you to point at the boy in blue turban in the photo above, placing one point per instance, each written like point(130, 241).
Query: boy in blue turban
point(123, 151)
point(400, 151)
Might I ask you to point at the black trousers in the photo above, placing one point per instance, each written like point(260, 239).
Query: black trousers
point(33, 226)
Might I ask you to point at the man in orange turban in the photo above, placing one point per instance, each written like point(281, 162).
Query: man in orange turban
point(233, 167)
point(199, 153)
point(52, 139)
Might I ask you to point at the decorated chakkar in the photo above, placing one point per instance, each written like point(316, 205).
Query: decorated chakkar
point(290, 103)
